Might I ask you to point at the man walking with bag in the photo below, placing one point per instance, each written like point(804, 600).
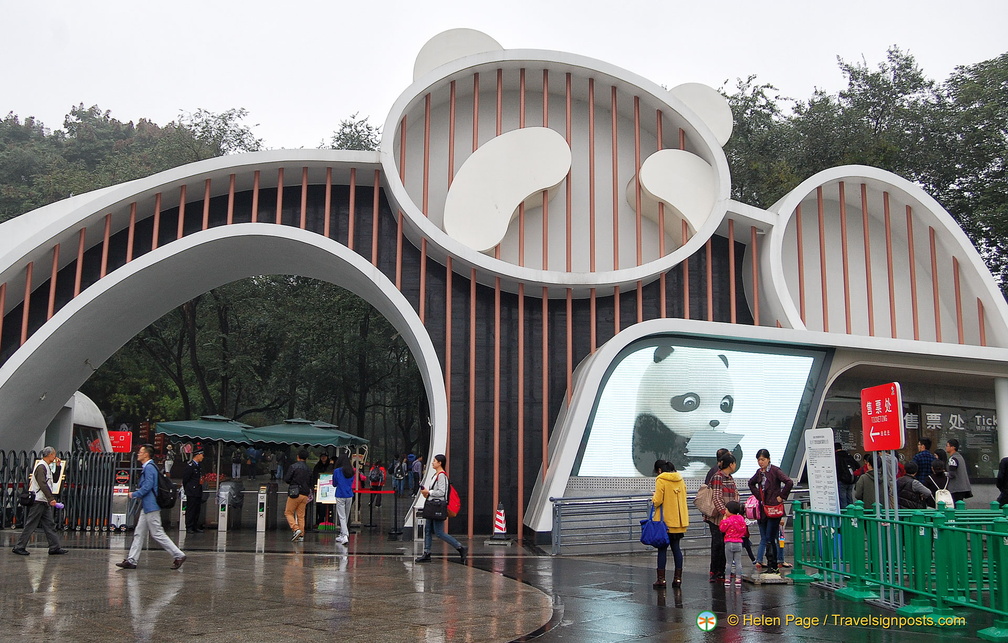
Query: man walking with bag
point(41, 511)
point(149, 519)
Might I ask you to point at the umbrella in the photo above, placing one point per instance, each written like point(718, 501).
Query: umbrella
point(304, 432)
point(208, 427)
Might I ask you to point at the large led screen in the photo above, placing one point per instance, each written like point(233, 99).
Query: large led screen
point(681, 400)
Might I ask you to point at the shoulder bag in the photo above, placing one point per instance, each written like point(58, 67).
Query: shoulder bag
point(771, 511)
point(654, 533)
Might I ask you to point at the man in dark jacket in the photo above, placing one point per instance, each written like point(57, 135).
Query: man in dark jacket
point(846, 465)
point(298, 474)
point(191, 483)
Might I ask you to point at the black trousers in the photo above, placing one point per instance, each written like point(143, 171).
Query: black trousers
point(717, 555)
point(194, 503)
point(39, 513)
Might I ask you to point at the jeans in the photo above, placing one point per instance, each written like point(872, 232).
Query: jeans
point(40, 513)
point(436, 528)
point(236, 470)
point(343, 513)
point(733, 556)
point(677, 555)
point(846, 494)
point(151, 522)
point(769, 530)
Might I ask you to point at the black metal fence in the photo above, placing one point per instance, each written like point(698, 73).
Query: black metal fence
point(86, 493)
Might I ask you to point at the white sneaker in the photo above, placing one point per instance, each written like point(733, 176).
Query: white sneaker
point(343, 540)
point(297, 534)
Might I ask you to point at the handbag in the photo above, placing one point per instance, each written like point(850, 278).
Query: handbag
point(26, 498)
point(774, 511)
point(293, 490)
point(654, 533)
point(704, 501)
point(435, 509)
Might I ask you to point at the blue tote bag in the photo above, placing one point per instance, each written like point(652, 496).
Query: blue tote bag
point(654, 533)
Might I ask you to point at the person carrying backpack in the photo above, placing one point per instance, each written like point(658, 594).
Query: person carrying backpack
point(149, 519)
point(846, 465)
point(376, 479)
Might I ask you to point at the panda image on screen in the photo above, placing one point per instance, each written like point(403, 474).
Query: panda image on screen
point(684, 406)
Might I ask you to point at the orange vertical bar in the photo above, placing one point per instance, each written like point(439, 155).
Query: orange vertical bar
point(353, 208)
point(755, 274)
point(132, 231)
point(375, 198)
point(889, 265)
point(303, 223)
point(52, 282)
point(496, 404)
point(279, 199)
point(958, 300)
point(521, 405)
point(231, 197)
point(157, 221)
point(934, 285)
point(80, 262)
point(820, 206)
point(801, 262)
point(27, 302)
point(451, 133)
point(867, 259)
point(731, 269)
point(521, 206)
point(105, 245)
point(181, 212)
point(591, 174)
point(980, 321)
point(615, 187)
point(206, 204)
point(255, 197)
point(637, 187)
point(682, 139)
point(545, 381)
point(475, 113)
point(569, 219)
point(913, 271)
point(685, 274)
point(426, 153)
point(570, 342)
point(545, 193)
point(327, 215)
point(472, 394)
point(843, 251)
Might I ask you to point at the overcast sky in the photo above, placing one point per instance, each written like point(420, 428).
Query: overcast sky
point(300, 67)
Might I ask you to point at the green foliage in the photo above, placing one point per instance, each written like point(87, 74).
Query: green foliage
point(355, 133)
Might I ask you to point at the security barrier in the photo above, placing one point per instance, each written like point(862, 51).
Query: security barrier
point(921, 562)
point(86, 492)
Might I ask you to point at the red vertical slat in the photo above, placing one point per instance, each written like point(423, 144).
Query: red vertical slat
point(52, 282)
point(279, 199)
point(255, 197)
point(867, 259)
point(26, 306)
point(131, 232)
point(889, 264)
point(105, 245)
point(934, 285)
point(980, 322)
point(206, 204)
point(181, 213)
point(157, 221)
point(913, 272)
point(231, 198)
point(80, 263)
point(958, 300)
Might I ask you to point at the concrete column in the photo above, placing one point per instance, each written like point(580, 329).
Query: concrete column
point(1001, 405)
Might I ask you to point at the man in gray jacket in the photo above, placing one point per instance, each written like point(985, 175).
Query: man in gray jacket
point(958, 475)
point(41, 511)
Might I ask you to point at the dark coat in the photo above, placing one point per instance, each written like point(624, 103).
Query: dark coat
point(777, 487)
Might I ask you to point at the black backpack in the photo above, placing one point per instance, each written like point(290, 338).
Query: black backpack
point(375, 475)
point(846, 465)
point(167, 491)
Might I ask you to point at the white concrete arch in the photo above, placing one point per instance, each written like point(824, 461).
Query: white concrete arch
point(976, 278)
point(41, 375)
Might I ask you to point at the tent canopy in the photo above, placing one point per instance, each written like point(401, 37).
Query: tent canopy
point(303, 432)
point(208, 427)
point(296, 431)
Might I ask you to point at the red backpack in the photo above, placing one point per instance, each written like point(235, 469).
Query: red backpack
point(454, 502)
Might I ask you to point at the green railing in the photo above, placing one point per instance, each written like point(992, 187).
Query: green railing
point(921, 562)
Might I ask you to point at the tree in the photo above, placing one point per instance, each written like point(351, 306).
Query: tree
point(355, 133)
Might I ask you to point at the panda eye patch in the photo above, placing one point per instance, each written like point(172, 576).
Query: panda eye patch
point(686, 402)
point(727, 403)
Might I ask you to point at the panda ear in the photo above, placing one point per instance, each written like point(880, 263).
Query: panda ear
point(662, 352)
point(724, 359)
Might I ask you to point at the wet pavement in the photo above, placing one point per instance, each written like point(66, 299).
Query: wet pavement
point(248, 587)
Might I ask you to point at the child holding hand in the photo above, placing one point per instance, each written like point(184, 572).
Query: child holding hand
point(734, 528)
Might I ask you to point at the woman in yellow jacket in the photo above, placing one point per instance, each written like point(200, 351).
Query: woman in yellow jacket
point(670, 504)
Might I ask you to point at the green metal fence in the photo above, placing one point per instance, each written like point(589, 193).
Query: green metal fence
point(921, 562)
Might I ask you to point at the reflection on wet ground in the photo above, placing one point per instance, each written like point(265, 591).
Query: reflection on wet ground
point(243, 586)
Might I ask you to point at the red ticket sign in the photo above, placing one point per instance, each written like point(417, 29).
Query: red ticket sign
point(122, 441)
point(882, 417)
